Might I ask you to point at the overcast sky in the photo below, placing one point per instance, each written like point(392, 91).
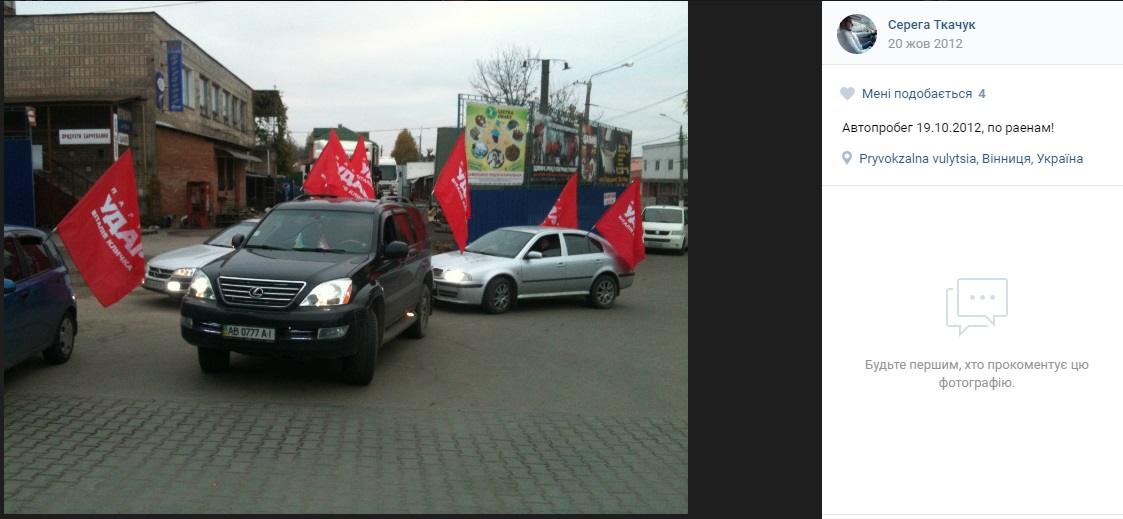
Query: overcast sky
point(384, 66)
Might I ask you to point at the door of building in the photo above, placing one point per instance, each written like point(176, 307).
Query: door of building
point(198, 204)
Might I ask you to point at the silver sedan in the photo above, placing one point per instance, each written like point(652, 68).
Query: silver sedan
point(524, 262)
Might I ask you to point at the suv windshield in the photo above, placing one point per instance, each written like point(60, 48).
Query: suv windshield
point(302, 229)
point(654, 214)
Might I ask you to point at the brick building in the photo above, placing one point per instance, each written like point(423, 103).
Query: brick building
point(190, 127)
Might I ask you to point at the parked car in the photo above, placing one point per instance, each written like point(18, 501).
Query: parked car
point(170, 273)
point(40, 310)
point(318, 277)
point(511, 264)
point(666, 227)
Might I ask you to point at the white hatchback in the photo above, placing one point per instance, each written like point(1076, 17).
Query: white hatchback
point(666, 227)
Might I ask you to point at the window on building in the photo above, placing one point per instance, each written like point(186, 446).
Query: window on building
point(685, 163)
point(216, 101)
point(235, 114)
point(656, 165)
point(670, 164)
point(188, 87)
point(204, 88)
point(225, 174)
point(645, 164)
point(226, 107)
point(245, 117)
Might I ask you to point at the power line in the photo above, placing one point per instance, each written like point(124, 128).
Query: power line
point(645, 49)
point(648, 106)
point(148, 7)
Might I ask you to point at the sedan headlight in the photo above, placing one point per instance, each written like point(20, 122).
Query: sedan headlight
point(456, 276)
point(328, 293)
point(200, 287)
point(186, 272)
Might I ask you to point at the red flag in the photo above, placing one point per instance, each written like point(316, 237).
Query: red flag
point(452, 193)
point(622, 226)
point(102, 234)
point(331, 174)
point(360, 168)
point(564, 212)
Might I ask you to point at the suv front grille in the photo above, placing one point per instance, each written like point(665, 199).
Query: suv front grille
point(160, 273)
point(260, 293)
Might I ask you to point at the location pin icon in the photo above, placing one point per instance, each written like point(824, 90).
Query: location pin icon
point(846, 156)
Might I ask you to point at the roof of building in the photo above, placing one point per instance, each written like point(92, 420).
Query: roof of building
point(344, 134)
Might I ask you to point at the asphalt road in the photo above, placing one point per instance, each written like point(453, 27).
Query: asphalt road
point(553, 407)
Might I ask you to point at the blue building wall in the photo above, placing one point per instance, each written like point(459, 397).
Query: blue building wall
point(494, 208)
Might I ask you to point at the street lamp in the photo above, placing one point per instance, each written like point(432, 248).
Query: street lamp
point(589, 86)
point(545, 103)
point(589, 92)
point(680, 140)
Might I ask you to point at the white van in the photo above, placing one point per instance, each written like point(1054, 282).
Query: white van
point(666, 227)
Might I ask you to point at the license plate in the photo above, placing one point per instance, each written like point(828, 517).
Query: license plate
point(249, 332)
point(152, 283)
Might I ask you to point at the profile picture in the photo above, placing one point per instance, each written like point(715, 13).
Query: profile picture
point(856, 34)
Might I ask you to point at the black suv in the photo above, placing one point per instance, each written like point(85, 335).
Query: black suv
point(318, 277)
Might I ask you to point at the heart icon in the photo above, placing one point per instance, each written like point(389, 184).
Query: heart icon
point(847, 92)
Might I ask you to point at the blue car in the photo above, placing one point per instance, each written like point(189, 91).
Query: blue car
point(40, 310)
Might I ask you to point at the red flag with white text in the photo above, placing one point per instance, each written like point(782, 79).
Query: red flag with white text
point(360, 168)
point(325, 175)
point(564, 212)
point(451, 191)
point(102, 234)
point(622, 226)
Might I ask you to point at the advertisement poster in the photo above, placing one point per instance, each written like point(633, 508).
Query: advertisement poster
point(175, 75)
point(588, 154)
point(555, 151)
point(615, 156)
point(495, 142)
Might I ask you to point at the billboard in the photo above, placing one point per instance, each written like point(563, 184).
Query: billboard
point(615, 156)
point(495, 141)
point(555, 151)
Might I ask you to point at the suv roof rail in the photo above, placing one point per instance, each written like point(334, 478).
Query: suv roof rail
point(307, 196)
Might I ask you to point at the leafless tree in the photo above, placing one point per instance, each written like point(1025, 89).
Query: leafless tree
point(512, 77)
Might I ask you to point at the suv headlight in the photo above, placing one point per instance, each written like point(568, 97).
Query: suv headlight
point(185, 272)
point(200, 286)
point(328, 293)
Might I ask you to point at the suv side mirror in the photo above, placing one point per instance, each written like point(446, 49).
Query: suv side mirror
point(396, 249)
point(237, 240)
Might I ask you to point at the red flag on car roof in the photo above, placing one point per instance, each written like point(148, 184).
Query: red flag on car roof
point(451, 191)
point(360, 169)
point(564, 212)
point(326, 176)
point(102, 234)
point(622, 226)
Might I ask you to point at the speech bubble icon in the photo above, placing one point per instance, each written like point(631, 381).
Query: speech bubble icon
point(954, 320)
point(982, 297)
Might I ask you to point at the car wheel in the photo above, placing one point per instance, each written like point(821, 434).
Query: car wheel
point(63, 346)
point(213, 360)
point(498, 296)
point(358, 369)
point(603, 293)
point(423, 310)
point(682, 250)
